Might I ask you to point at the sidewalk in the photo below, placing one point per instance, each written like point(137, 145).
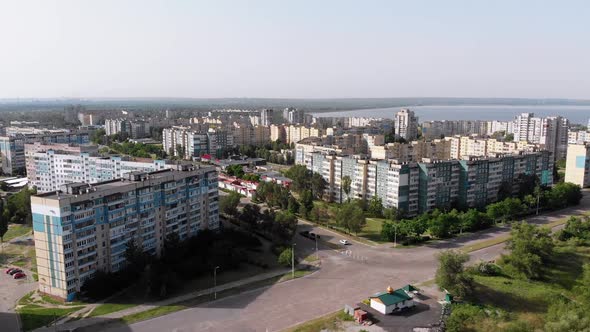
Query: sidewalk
point(144, 307)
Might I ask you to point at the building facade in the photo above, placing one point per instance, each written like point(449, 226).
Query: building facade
point(12, 147)
point(82, 228)
point(577, 166)
point(418, 187)
point(49, 166)
point(406, 124)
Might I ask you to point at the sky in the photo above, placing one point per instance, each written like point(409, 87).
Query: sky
point(294, 49)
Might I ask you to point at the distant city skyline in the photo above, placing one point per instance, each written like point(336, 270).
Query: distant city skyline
point(299, 49)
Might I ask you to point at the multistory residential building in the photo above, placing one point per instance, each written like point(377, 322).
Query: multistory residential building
point(578, 137)
point(550, 132)
point(298, 133)
point(406, 124)
point(293, 115)
point(89, 118)
point(278, 133)
point(577, 165)
point(85, 228)
point(132, 128)
point(417, 187)
point(12, 147)
point(51, 165)
point(185, 142)
point(266, 117)
point(445, 128)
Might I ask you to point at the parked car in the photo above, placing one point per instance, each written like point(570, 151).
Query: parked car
point(344, 242)
point(304, 233)
point(19, 275)
point(15, 271)
point(8, 270)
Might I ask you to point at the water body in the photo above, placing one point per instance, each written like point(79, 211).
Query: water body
point(576, 114)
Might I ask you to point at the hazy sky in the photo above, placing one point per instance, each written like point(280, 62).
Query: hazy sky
point(298, 48)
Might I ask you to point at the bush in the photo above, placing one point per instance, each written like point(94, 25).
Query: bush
point(463, 315)
point(285, 258)
point(489, 269)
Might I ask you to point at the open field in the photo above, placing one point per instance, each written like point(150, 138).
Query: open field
point(507, 300)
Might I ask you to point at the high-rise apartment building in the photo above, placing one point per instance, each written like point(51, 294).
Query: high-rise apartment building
point(12, 147)
point(84, 228)
point(577, 166)
point(133, 129)
point(406, 124)
point(550, 132)
point(293, 115)
point(266, 117)
point(186, 142)
point(417, 187)
point(51, 165)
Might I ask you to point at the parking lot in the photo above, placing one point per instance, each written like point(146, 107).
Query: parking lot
point(10, 292)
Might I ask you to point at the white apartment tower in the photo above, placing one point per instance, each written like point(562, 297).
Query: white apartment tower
point(406, 124)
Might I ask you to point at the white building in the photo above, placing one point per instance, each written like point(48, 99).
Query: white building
point(406, 124)
point(51, 166)
point(577, 167)
point(266, 117)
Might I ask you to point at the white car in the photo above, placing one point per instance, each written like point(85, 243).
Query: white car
point(344, 242)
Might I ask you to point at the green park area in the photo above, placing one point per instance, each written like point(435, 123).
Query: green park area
point(541, 284)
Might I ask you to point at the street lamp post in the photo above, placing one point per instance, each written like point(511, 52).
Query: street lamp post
point(395, 235)
point(293, 260)
point(317, 254)
point(215, 282)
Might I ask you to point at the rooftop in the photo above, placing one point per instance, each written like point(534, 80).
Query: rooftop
point(392, 297)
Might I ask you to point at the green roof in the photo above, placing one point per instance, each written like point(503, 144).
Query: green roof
point(393, 298)
point(409, 288)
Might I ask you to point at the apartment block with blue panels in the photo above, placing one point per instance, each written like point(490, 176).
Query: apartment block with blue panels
point(84, 228)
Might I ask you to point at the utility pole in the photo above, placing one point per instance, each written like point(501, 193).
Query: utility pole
point(215, 282)
point(293, 261)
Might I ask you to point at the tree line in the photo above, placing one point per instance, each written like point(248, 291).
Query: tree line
point(444, 224)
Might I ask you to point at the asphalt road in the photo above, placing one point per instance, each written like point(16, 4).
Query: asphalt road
point(343, 279)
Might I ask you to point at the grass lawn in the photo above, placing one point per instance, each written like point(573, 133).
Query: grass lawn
point(148, 314)
point(486, 243)
point(34, 316)
point(372, 230)
point(507, 300)
point(330, 322)
point(16, 230)
point(107, 308)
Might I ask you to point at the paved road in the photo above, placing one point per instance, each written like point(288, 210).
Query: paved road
point(341, 280)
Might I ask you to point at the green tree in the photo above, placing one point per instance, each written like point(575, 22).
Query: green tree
point(351, 217)
point(375, 208)
point(235, 170)
point(286, 257)
point(318, 185)
point(306, 202)
point(451, 274)
point(97, 137)
point(250, 216)
point(228, 204)
point(346, 183)
point(442, 224)
point(530, 248)
point(292, 205)
point(564, 194)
